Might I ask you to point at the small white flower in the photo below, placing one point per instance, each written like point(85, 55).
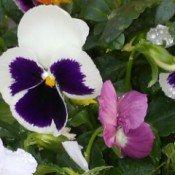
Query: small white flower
point(74, 151)
point(16, 163)
point(159, 35)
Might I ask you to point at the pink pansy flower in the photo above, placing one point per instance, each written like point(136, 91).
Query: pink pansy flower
point(123, 121)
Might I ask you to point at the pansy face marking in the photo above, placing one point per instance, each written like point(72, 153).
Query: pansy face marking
point(34, 76)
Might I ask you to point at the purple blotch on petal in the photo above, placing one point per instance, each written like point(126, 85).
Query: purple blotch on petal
point(171, 79)
point(26, 74)
point(42, 104)
point(70, 78)
point(24, 5)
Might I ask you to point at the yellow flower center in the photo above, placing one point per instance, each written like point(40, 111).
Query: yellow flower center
point(56, 2)
point(50, 81)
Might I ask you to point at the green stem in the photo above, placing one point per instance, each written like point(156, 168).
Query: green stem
point(91, 141)
point(29, 141)
point(116, 151)
point(161, 165)
point(128, 72)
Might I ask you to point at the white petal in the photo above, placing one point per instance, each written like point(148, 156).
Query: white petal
point(45, 29)
point(5, 76)
point(2, 156)
point(166, 87)
point(66, 132)
point(83, 27)
point(19, 163)
point(88, 68)
point(74, 151)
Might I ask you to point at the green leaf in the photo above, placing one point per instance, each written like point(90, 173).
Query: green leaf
point(165, 11)
point(171, 26)
point(161, 114)
point(97, 170)
point(111, 67)
point(169, 151)
point(3, 46)
point(79, 116)
point(156, 149)
point(97, 10)
point(114, 171)
point(136, 167)
point(1, 13)
point(5, 113)
point(124, 17)
point(96, 158)
point(12, 10)
point(44, 169)
point(10, 38)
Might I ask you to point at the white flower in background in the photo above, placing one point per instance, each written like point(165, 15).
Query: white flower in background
point(16, 162)
point(159, 35)
point(74, 151)
point(167, 83)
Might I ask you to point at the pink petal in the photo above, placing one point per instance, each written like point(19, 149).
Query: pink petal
point(108, 105)
point(132, 108)
point(139, 142)
point(109, 135)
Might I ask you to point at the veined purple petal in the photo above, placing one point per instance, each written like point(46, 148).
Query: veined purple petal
point(139, 142)
point(69, 77)
point(26, 74)
point(171, 79)
point(40, 105)
point(24, 5)
point(132, 108)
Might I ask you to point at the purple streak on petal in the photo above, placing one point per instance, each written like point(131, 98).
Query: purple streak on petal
point(26, 74)
point(70, 78)
point(24, 5)
point(171, 79)
point(139, 142)
point(132, 108)
point(42, 104)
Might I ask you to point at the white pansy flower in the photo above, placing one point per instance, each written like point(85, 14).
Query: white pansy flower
point(159, 35)
point(48, 65)
point(16, 162)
